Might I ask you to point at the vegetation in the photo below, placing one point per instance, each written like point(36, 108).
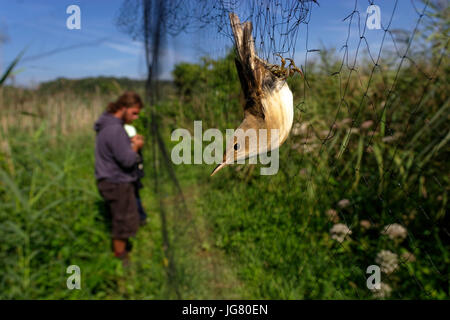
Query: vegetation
point(370, 164)
point(362, 182)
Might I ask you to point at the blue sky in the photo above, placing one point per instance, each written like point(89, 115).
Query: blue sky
point(99, 48)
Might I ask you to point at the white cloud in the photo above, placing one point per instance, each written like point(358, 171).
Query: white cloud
point(134, 48)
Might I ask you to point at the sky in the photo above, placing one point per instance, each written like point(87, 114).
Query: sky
point(99, 48)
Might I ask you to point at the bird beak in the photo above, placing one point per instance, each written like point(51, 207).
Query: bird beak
point(220, 166)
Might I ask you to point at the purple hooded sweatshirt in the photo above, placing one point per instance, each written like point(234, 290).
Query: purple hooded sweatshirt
point(115, 160)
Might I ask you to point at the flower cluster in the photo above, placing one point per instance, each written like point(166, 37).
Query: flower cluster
point(395, 232)
point(384, 291)
point(332, 215)
point(387, 260)
point(343, 203)
point(339, 232)
point(365, 224)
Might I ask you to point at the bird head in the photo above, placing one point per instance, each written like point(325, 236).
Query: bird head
point(245, 142)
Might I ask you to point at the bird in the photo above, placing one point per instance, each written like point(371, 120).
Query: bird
point(268, 101)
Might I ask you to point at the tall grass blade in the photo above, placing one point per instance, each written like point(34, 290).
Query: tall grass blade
point(11, 67)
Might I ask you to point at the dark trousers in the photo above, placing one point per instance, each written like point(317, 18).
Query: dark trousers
point(120, 199)
point(142, 213)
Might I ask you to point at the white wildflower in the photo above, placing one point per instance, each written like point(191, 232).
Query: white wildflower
point(395, 231)
point(343, 203)
point(339, 232)
point(332, 215)
point(384, 291)
point(365, 224)
point(387, 260)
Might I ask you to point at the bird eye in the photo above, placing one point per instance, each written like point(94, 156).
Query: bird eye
point(236, 146)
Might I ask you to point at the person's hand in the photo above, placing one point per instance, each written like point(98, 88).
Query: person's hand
point(137, 142)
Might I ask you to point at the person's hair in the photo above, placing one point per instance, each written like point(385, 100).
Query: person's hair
point(128, 99)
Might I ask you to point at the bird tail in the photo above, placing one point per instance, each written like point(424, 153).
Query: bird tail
point(250, 68)
point(245, 44)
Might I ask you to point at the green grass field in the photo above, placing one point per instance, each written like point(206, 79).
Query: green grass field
point(365, 164)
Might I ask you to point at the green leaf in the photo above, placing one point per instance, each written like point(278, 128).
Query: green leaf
point(11, 67)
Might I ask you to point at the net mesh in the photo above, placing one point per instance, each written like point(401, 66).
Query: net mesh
point(276, 28)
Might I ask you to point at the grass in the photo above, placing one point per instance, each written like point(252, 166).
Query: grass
point(244, 235)
point(53, 217)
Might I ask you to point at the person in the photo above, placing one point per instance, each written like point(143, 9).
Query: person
point(116, 157)
point(131, 131)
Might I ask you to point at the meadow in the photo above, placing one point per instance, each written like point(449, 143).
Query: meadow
point(363, 181)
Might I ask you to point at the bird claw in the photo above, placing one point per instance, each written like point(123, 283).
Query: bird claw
point(281, 71)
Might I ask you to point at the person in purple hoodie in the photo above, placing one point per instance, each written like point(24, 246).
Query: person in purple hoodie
point(116, 157)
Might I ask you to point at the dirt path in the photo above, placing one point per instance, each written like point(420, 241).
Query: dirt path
point(212, 274)
point(192, 268)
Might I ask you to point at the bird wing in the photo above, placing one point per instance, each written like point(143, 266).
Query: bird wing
point(252, 71)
